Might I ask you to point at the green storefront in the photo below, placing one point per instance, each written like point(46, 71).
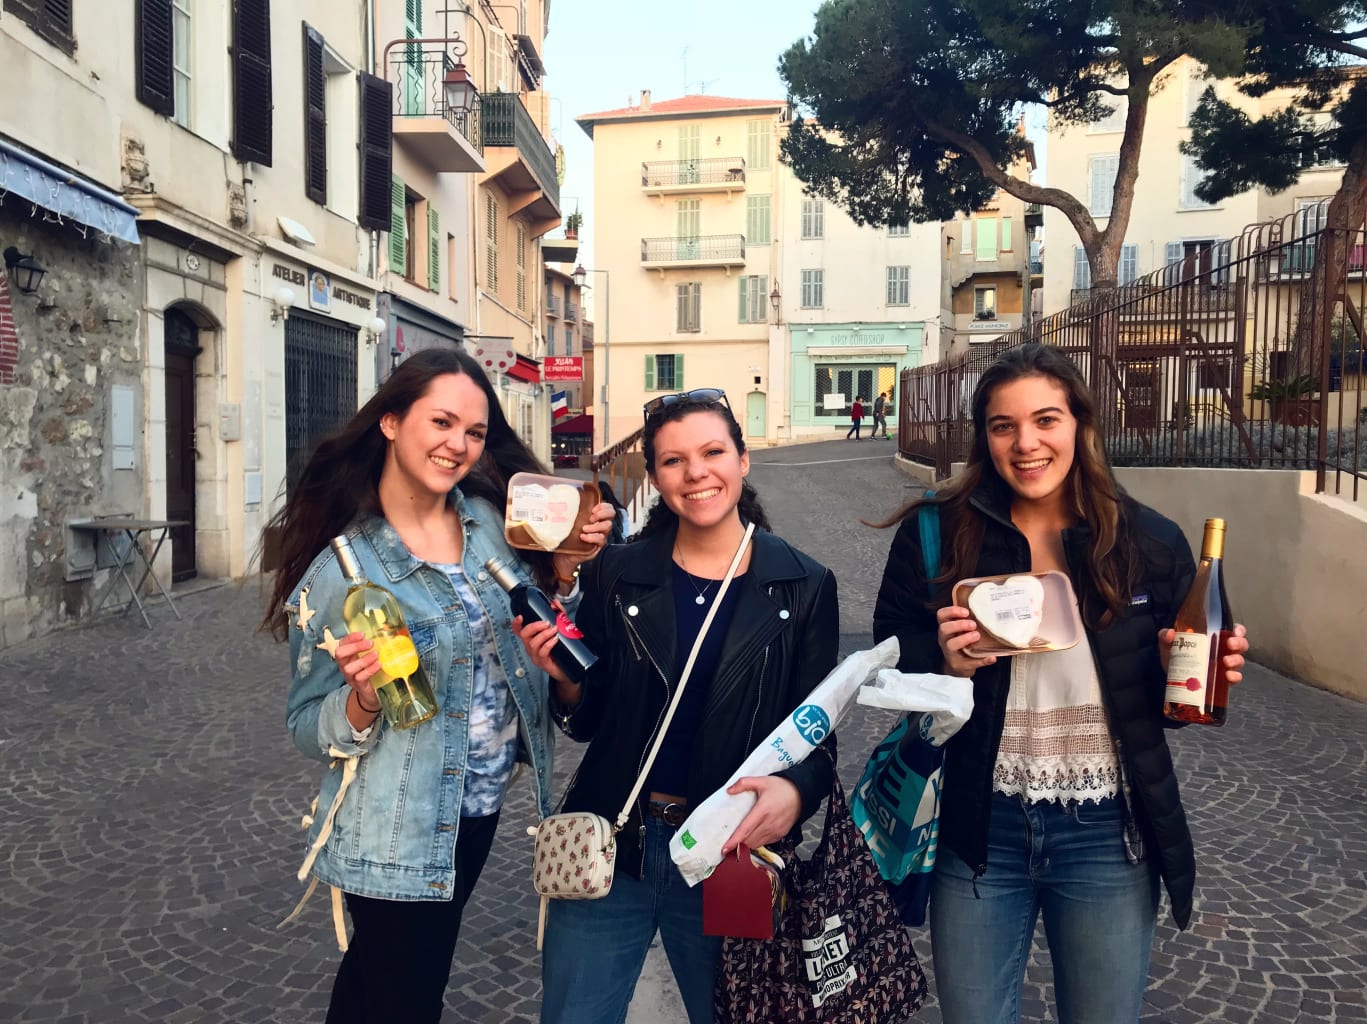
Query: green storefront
point(833, 364)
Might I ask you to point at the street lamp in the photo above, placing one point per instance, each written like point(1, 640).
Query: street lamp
point(580, 275)
point(459, 89)
point(26, 272)
point(774, 300)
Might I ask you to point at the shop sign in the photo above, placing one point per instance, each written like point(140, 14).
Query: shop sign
point(321, 290)
point(989, 325)
point(563, 368)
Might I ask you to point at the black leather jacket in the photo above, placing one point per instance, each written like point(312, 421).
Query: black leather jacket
point(1126, 654)
point(782, 642)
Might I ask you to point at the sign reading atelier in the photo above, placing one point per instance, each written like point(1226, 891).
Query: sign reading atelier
point(321, 288)
point(563, 368)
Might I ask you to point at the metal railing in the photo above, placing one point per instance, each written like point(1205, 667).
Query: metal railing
point(507, 123)
point(1200, 363)
point(572, 311)
point(552, 305)
point(623, 467)
point(711, 171)
point(683, 248)
point(418, 75)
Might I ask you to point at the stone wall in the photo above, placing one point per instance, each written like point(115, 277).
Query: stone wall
point(79, 336)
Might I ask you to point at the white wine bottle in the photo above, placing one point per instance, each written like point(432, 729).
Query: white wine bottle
point(405, 693)
point(1197, 690)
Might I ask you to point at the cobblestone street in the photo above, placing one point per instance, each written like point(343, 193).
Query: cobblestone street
point(152, 799)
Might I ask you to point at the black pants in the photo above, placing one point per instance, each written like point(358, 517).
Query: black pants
point(853, 430)
point(399, 960)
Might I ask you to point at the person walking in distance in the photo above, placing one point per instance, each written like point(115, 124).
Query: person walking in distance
point(857, 416)
point(880, 415)
point(1060, 797)
point(774, 637)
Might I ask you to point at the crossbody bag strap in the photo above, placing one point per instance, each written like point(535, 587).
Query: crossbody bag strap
point(621, 821)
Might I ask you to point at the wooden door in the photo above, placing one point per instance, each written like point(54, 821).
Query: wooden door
point(182, 346)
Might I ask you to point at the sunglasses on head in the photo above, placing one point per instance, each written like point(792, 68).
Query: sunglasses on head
point(696, 395)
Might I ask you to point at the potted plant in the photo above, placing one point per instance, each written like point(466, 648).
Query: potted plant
point(1290, 401)
point(572, 223)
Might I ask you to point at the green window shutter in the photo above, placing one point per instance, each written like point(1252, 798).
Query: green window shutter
point(650, 373)
point(433, 249)
point(1006, 232)
point(398, 228)
point(744, 315)
point(678, 373)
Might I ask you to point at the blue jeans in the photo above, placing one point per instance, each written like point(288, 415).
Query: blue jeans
point(594, 949)
point(1067, 861)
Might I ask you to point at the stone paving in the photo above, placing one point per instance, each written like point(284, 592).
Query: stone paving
point(149, 823)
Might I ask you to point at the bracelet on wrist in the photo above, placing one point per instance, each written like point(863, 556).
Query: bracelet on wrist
point(567, 580)
point(368, 711)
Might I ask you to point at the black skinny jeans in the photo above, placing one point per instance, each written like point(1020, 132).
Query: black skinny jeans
point(399, 960)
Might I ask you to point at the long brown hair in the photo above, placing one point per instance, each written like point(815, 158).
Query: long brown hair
point(1093, 494)
point(661, 516)
point(341, 479)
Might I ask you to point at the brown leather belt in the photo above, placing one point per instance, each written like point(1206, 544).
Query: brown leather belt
point(671, 814)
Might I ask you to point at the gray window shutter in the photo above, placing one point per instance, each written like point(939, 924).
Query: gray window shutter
point(315, 118)
point(376, 150)
point(253, 105)
point(153, 41)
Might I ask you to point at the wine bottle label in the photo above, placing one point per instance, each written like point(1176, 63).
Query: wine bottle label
point(398, 656)
point(565, 626)
point(1187, 668)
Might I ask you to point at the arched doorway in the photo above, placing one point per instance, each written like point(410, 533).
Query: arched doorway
point(756, 421)
point(182, 346)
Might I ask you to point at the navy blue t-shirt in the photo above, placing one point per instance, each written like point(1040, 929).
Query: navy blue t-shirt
point(669, 774)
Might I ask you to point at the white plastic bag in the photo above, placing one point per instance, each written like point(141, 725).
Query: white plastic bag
point(696, 847)
point(948, 700)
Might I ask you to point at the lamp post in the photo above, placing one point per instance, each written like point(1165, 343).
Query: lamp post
point(776, 301)
point(26, 272)
point(580, 275)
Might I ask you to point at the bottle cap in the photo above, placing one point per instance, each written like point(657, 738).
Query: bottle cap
point(1215, 524)
point(346, 558)
point(503, 574)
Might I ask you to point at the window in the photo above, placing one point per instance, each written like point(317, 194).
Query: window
point(315, 118)
point(1317, 152)
point(521, 254)
point(688, 304)
point(376, 152)
point(433, 249)
point(398, 227)
point(813, 218)
point(1192, 176)
point(253, 103)
point(664, 373)
point(1129, 264)
point(899, 230)
point(51, 19)
point(550, 339)
point(987, 239)
point(1006, 234)
point(411, 222)
point(1082, 270)
point(1101, 172)
point(985, 303)
point(899, 286)
point(813, 289)
point(490, 243)
point(759, 137)
point(757, 220)
point(966, 242)
point(1115, 120)
point(1194, 85)
point(690, 149)
point(754, 299)
point(451, 268)
point(162, 45)
point(836, 386)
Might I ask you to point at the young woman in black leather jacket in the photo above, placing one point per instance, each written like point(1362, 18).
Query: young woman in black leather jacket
point(774, 639)
point(1035, 819)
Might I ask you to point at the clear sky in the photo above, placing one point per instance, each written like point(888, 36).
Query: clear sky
point(601, 53)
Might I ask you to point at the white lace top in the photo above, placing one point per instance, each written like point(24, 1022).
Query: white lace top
point(1056, 745)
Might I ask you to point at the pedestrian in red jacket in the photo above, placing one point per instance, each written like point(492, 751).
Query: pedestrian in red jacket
point(856, 414)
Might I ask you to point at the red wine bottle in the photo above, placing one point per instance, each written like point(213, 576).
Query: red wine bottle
point(570, 653)
point(1197, 689)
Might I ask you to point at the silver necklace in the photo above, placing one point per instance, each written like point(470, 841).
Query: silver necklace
point(702, 594)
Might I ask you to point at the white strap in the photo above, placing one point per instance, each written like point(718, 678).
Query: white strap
point(621, 821)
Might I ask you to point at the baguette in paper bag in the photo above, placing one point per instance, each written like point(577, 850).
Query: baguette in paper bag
point(696, 847)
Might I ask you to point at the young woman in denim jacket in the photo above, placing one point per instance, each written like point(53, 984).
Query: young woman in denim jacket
point(1060, 797)
point(405, 819)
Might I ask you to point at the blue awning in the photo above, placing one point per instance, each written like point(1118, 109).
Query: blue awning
point(62, 193)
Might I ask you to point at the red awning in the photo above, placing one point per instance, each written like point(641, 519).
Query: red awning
point(528, 370)
point(581, 424)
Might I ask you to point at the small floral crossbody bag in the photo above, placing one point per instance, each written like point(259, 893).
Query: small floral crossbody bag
point(576, 851)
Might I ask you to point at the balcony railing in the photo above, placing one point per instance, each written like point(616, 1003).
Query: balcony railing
point(552, 306)
point(681, 175)
point(507, 123)
point(418, 75)
point(718, 250)
point(572, 311)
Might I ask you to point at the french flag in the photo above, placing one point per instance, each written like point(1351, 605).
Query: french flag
point(560, 404)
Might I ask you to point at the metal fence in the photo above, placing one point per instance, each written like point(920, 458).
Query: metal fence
point(703, 171)
point(1245, 353)
point(687, 248)
point(419, 75)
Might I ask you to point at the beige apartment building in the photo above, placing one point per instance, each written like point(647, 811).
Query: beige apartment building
point(721, 272)
point(1167, 222)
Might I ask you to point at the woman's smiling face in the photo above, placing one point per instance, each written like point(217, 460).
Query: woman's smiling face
point(441, 436)
point(698, 471)
point(1032, 437)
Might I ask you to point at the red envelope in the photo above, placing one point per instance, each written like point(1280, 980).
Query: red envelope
point(741, 899)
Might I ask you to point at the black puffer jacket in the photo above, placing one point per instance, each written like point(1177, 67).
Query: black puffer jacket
point(1128, 665)
point(782, 641)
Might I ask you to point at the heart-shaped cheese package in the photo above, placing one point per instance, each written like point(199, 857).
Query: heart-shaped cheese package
point(547, 514)
point(1010, 611)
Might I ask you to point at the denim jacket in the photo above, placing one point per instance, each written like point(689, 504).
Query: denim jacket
point(393, 834)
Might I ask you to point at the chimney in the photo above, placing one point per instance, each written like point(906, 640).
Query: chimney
point(645, 99)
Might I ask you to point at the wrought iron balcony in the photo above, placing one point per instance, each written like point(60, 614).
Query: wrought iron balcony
point(572, 311)
point(552, 305)
point(444, 137)
point(693, 251)
point(507, 125)
point(714, 174)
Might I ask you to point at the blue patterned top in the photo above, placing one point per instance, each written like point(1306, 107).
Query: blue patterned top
point(492, 749)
